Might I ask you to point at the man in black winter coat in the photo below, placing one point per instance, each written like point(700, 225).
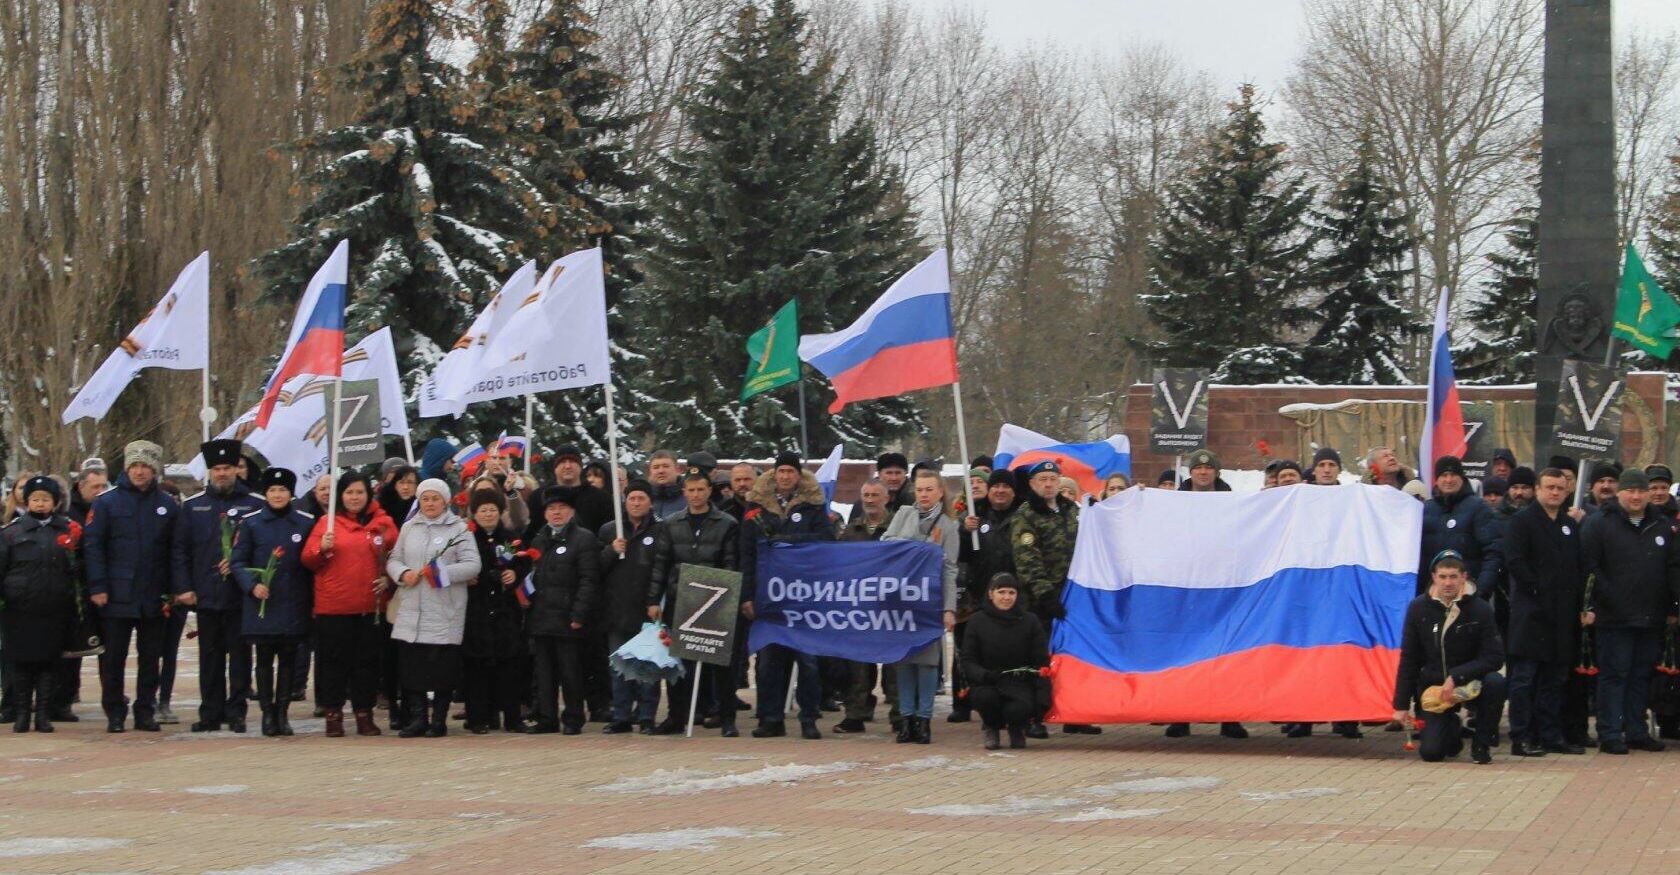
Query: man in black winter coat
point(1449, 639)
point(1634, 562)
point(1542, 548)
point(593, 506)
point(1455, 519)
point(699, 535)
point(626, 568)
point(566, 579)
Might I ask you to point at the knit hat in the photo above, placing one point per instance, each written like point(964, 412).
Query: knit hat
point(1167, 476)
point(982, 473)
point(1522, 475)
point(143, 453)
point(1449, 465)
point(1288, 465)
point(891, 460)
point(565, 495)
point(1655, 473)
point(222, 451)
point(486, 496)
point(1605, 470)
point(1202, 457)
point(791, 459)
point(432, 484)
point(1326, 453)
point(1503, 454)
point(43, 483)
point(567, 451)
point(639, 485)
point(982, 461)
point(1633, 478)
point(1273, 466)
point(277, 477)
point(1493, 484)
point(391, 464)
point(1563, 462)
point(1003, 580)
point(1001, 475)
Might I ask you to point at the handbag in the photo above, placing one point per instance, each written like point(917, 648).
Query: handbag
point(86, 634)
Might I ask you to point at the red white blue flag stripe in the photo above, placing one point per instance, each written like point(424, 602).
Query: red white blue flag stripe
point(1443, 419)
point(1189, 607)
point(316, 345)
point(1088, 463)
point(903, 342)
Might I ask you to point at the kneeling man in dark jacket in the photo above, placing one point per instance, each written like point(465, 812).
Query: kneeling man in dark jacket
point(1449, 639)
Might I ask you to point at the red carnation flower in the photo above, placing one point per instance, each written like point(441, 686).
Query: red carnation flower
point(472, 526)
point(1044, 672)
point(279, 552)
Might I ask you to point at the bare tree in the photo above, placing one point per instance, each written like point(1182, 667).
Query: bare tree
point(1451, 89)
point(1647, 121)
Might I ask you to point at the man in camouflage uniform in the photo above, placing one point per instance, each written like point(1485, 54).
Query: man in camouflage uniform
point(1041, 534)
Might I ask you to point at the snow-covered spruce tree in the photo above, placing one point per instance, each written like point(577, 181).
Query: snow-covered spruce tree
point(775, 200)
point(1499, 346)
point(1229, 267)
point(543, 99)
point(431, 211)
point(1662, 250)
point(1365, 326)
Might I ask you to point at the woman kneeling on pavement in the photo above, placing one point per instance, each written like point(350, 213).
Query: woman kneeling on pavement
point(930, 520)
point(1003, 652)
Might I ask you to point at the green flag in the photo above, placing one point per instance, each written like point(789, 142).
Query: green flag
point(773, 353)
point(1644, 312)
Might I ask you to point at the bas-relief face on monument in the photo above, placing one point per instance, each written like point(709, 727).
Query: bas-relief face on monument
point(1574, 329)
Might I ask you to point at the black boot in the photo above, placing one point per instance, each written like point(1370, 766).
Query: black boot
point(282, 720)
point(440, 717)
point(414, 715)
point(46, 686)
point(924, 730)
point(989, 737)
point(906, 731)
point(270, 726)
point(23, 699)
point(1017, 736)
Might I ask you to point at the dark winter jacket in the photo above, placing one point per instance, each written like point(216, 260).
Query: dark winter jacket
point(668, 500)
point(1436, 643)
point(291, 592)
point(1465, 523)
point(38, 572)
point(592, 510)
point(996, 641)
point(1635, 569)
point(197, 550)
point(396, 507)
point(1546, 579)
point(995, 554)
point(801, 518)
point(127, 544)
point(567, 581)
point(626, 579)
point(858, 530)
point(438, 452)
point(715, 543)
point(495, 627)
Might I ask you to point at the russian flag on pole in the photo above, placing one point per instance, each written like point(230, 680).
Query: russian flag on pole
point(903, 342)
point(316, 344)
point(526, 589)
point(1443, 419)
point(1088, 463)
point(1282, 605)
point(511, 445)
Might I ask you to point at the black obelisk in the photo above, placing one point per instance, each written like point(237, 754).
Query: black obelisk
point(1577, 236)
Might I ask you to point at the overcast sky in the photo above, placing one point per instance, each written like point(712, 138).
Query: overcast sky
point(1233, 40)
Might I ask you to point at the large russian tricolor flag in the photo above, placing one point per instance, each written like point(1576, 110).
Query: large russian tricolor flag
point(1443, 419)
point(1282, 605)
point(316, 344)
point(1089, 463)
point(903, 342)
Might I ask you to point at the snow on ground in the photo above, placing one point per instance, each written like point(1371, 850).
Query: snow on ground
point(925, 764)
point(683, 782)
point(1095, 814)
point(1017, 805)
point(41, 846)
point(218, 790)
point(1009, 806)
point(676, 839)
point(327, 860)
point(1286, 795)
point(1152, 785)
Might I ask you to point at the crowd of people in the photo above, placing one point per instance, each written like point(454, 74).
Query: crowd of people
point(412, 589)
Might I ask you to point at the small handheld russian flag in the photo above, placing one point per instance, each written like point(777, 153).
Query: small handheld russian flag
point(470, 453)
point(526, 589)
point(512, 445)
point(435, 575)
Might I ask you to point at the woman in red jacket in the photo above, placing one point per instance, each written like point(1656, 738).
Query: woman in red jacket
point(350, 586)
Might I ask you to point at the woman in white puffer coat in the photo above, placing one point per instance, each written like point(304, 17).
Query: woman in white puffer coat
point(434, 561)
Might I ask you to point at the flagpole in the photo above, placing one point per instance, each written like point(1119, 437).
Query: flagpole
point(408, 447)
point(332, 455)
point(206, 413)
point(804, 439)
point(612, 462)
point(530, 436)
point(962, 449)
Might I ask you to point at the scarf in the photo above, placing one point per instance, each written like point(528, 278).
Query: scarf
point(927, 519)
